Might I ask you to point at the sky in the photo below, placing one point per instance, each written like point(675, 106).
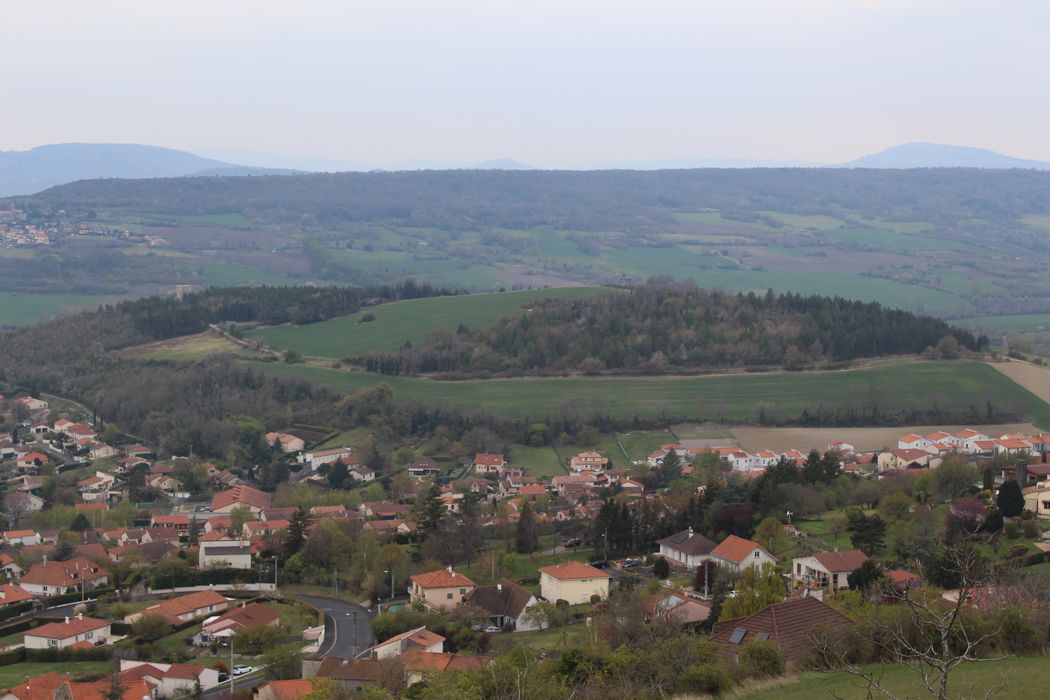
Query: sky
point(554, 83)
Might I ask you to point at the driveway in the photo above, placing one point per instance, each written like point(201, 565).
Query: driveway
point(347, 627)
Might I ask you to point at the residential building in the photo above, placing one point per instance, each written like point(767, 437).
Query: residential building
point(236, 554)
point(254, 499)
point(827, 569)
point(12, 594)
point(489, 463)
point(792, 626)
point(424, 467)
point(573, 581)
point(170, 680)
point(55, 686)
point(13, 538)
point(235, 620)
point(419, 665)
point(283, 690)
point(506, 604)
point(79, 630)
point(185, 608)
point(441, 589)
point(419, 638)
point(315, 458)
point(589, 462)
point(686, 549)
point(737, 554)
point(1037, 499)
point(51, 578)
point(288, 443)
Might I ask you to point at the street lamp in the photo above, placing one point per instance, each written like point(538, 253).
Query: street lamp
point(391, 572)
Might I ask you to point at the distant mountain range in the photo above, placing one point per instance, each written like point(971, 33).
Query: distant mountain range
point(28, 172)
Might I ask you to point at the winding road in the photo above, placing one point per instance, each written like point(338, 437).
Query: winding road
point(347, 626)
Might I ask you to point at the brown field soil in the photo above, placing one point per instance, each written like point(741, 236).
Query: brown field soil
point(1032, 377)
point(753, 438)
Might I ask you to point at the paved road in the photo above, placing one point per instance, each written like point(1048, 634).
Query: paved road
point(222, 691)
point(347, 627)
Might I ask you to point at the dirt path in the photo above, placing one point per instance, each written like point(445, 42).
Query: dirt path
point(1032, 377)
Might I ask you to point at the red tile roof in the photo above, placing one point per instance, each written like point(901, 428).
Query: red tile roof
point(65, 630)
point(442, 578)
point(289, 689)
point(735, 549)
point(241, 495)
point(841, 562)
point(488, 459)
point(790, 625)
point(572, 570)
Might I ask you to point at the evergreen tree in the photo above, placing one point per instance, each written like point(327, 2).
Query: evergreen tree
point(429, 509)
point(298, 528)
point(1010, 499)
point(865, 575)
point(525, 540)
point(338, 475)
point(670, 467)
point(80, 523)
point(867, 532)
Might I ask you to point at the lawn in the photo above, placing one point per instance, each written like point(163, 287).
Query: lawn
point(228, 275)
point(1015, 323)
point(538, 461)
point(16, 673)
point(190, 348)
point(575, 636)
point(961, 385)
point(406, 320)
point(1025, 677)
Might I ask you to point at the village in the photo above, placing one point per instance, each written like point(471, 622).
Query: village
point(205, 583)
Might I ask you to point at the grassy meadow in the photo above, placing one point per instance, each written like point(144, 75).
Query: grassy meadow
point(720, 398)
point(406, 320)
point(19, 309)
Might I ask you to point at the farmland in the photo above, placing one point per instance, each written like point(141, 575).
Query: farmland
point(18, 309)
point(894, 387)
point(403, 321)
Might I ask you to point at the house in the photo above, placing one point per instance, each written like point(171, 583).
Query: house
point(791, 626)
point(424, 467)
point(384, 510)
point(363, 474)
point(257, 528)
point(419, 665)
point(827, 569)
point(489, 463)
point(55, 686)
point(284, 690)
point(679, 608)
point(185, 608)
point(14, 538)
point(1014, 446)
point(31, 460)
point(351, 674)
point(441, 589)
point(391, 528)
point(686, 549)
point(170, 680)
point(589, 462)
point(287, 442)
point(506, 604)
point(9, 567)
point(180, 523)
point(51, 578)
point(75, 630)
point(235, 554)
point(12, 594)
point(632, 487)
point(419, 638)
point(226, 501)
point(1037, 499)
point(904, 458)
point(101, 450)
point(324, 512)
point(235, 620)
point(30, 403)
point(315, 458)
point(737, 554)
point(573, 581)
point(911, 441)
point(22, 502)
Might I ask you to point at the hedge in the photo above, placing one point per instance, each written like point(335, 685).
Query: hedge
point(74, 597)
point(51, 655)
point(9, 611)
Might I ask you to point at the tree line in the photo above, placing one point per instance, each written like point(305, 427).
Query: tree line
point(667, 326)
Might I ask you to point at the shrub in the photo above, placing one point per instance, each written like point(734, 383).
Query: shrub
point(1012, 531)
point(1017, 634)
point(661, 569)
point(762, 658)
point(1017, 551)
point(1029, 528)
point(706, 678)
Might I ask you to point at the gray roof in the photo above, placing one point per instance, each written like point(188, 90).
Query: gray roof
point(508, 599)
point(688, 542)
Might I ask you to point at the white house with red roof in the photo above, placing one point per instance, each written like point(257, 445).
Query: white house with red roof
point(419, 639)
point(78, 632)
point(911, 441)
point(171, 680)
point(737, 554)
point(21, 537)
point(288, 443)
point(766, 458)
point(441, 589)
point(827, 569)
point(50, 578)
point(226, 501)
point(489, 463)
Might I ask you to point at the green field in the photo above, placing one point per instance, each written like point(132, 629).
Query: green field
point(733, 398)
point(1025, 677)
point(191, 348)
point(406, 320)
point(1017, 323)
point(226, 275)
point(17, 309)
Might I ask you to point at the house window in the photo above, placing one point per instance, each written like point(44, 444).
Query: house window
point(89, 635)
point(757, 554)
point(450, 596)
point(462, 591)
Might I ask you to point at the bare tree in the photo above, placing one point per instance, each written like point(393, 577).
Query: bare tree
point(930, 637)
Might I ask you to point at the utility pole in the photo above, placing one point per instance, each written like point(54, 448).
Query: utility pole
point(275, 573)
point(391, 572)
point(231, 664)
point(335, 582)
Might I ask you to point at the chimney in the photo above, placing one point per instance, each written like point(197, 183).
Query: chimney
point(67, 619)
point(690, 530)
point(80, 616)
point(499, 586)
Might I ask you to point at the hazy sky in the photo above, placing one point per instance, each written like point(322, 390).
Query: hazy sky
point(558, 83)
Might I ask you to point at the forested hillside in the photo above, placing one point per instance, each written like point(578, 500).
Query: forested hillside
point(663, 326)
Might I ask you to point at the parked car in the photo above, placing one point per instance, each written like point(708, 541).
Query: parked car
point(492, 629)
point(572, 542)
point(241, 669)
point(599, 563)
point(223, 677)
point(632, 563)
